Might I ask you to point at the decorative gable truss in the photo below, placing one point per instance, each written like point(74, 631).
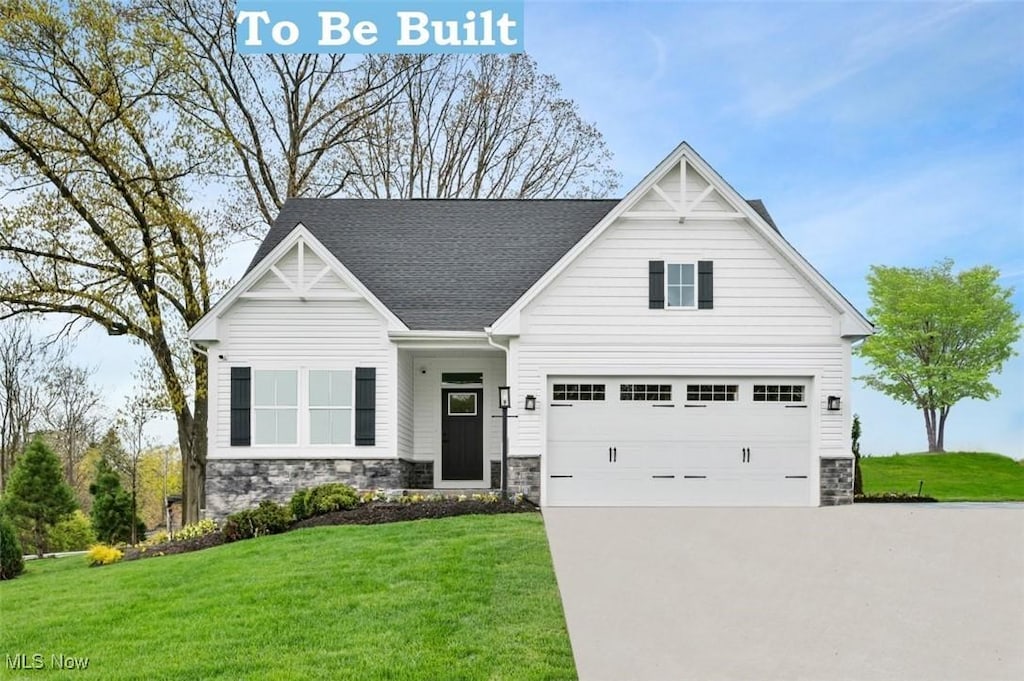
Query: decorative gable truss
point(682, 193)
point(299, 268)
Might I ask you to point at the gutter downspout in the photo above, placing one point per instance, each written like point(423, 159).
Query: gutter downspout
point(504, 420)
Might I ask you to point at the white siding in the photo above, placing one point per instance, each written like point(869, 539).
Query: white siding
point(405, 404)
point(766, 321)
point(288, 266)
point(293, 334)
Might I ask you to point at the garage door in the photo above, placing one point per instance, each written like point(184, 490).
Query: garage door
point(700, 441)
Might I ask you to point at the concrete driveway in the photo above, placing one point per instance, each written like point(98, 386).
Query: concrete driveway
point(857, 592)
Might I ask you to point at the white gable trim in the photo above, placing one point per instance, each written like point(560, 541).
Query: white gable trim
point(854, 323)
point(206, 328)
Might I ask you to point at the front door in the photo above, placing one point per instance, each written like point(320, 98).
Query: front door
point(462, 434)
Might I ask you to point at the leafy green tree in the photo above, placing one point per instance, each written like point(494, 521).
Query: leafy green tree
point(37, 497)
point(941, 335)
point(112, 516)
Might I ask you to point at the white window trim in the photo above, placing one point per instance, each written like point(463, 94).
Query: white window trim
point(696, 283)
point(302, 426)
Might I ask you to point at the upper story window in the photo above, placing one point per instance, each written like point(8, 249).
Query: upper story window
point(330, 407)
point(635, 392)
point(275, 407)
point(681, 285)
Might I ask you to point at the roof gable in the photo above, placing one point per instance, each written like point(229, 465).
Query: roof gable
point(681, 188)
point(297, 267)
point(442, 264)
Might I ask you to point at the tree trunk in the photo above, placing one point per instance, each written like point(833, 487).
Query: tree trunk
point(929, 425)
point(940, 441)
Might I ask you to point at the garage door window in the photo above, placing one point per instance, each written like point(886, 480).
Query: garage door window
point(566, 392)
point(778, 393)
point(637, 392)
point(716, 392)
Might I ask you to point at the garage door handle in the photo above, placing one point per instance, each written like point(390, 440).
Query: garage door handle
point(663, 477)
point(609, 455)
point(558, 404)
point(694, 477)
point(695, 406)
point(796, 406)
point(559, 476)
point(796, 477)
point(663, 406)
point(615, 454)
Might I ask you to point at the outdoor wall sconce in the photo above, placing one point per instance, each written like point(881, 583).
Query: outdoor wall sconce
point(833, 403)
point(504, 397)
point(531, 403)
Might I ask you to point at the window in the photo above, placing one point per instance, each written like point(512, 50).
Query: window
point(711, 393)
point(461, 404)
point(330, 407)
point(636, 392)
point(275, 407)
point(681, 285)
point(778, 393)
point(578, 391)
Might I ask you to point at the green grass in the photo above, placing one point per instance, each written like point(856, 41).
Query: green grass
point(472, 597)
point(960, 476)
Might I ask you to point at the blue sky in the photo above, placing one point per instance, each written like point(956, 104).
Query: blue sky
point(876, 133)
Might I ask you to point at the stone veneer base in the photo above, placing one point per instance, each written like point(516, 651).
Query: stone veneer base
point(836, 482)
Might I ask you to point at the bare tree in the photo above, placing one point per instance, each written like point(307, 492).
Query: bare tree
point(24, 361)
point(488, 126)
point(287, 120)
point(132, 419)
point(72, 415)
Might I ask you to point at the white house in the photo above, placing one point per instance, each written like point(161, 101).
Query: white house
point(670, 348)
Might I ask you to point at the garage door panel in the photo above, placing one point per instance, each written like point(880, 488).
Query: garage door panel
point(649, 450)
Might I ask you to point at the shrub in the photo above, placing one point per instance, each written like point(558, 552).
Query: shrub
point(74, 533)
point(298, 504)
point(333, 496)
point(102, 554)
point(267, 518)
point(195, 530)
point(11, 562)
point(157, 538)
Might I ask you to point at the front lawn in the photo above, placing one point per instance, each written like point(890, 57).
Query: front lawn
point(471, 597)
point(958, 476)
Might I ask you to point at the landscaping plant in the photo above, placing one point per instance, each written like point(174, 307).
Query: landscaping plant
point(37, 498)
point(11, 562)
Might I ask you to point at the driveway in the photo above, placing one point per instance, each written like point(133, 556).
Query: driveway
point(856, 592)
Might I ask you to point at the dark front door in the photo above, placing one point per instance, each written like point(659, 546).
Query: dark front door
point(462, 434)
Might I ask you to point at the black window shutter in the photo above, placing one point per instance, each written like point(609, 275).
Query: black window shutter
point(366, 405)
point(656, 276)
point(241, 378)
point(705, 285)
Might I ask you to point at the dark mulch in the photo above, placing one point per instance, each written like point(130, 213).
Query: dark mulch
point(377, 512)
point(891, 498)
point(372, 513)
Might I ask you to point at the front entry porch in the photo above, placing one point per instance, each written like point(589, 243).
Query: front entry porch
point(446, 420)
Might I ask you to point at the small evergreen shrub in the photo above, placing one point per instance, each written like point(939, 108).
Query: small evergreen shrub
point(333, 496)
point(195, 530)
point(102, 554)
point(74, 533)
point(267, 518)
point(298, 504)
point(11, 562)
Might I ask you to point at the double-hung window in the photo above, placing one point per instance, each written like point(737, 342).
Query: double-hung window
point(275, 407)
point(681, 285)
point(330, 407)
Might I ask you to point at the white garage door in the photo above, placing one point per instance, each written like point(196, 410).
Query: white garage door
point(678, 441)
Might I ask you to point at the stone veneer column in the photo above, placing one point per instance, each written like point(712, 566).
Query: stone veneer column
point(524, 477)
point(836, 482)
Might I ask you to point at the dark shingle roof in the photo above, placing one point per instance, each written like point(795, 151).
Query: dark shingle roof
point(445, 264)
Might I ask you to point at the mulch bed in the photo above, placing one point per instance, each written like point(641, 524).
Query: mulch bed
point(891, 498)
point(372, 513)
